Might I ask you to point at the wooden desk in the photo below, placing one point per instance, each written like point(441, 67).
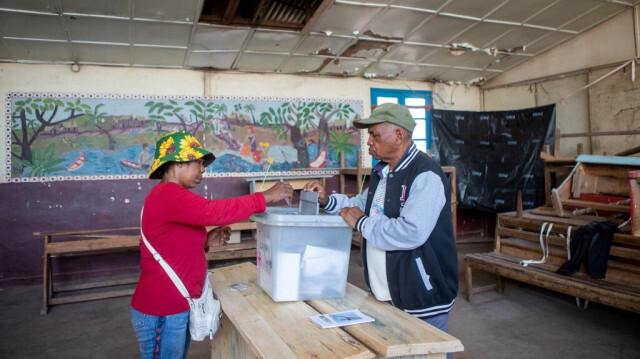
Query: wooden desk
point(255, 326)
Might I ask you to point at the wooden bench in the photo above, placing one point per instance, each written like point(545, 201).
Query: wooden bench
point(518, 238)
point(92, 242)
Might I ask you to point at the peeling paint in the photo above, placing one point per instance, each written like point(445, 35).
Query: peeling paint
point(139, 186)
point(112, 198)
point(126, 200)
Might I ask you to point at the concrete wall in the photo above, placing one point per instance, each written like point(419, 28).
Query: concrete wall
point(78, 205)
point(614, 105)
point(610, 105)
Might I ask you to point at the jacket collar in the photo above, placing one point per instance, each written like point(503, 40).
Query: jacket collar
point(408, 156)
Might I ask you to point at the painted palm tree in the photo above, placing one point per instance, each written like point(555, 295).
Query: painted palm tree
point(251, 108)
point(340, 143)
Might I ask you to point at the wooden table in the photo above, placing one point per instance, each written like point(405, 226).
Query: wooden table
point(254, 326)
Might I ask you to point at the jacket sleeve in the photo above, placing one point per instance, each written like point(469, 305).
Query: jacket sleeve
point(416, 221)
point(186, 207)
point(337, 201)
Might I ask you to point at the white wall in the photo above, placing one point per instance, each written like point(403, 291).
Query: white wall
point(122, 80)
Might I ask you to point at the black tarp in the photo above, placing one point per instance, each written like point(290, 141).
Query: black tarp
point(495, 153)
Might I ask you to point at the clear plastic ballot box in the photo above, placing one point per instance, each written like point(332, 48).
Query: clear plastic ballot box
point(301, 257)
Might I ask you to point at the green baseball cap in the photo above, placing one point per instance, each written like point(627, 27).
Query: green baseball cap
point(388, 112)
point(178, 146)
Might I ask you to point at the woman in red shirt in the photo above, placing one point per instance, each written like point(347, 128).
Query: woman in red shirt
point(174, 223)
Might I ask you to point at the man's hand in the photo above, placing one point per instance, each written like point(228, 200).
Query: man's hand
point(318, 188)
point(218, 236)
point(351, 215)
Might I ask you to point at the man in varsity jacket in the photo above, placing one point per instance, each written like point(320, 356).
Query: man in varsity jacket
point(409, 251)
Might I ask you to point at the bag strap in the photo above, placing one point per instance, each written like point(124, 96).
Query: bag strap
point(167, 268)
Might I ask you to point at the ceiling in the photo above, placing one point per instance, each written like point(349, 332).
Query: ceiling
point(454, 41)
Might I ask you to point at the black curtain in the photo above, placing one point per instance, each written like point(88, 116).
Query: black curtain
point(496, 154)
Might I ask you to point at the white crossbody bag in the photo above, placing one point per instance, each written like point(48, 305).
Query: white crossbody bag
point(205, 312)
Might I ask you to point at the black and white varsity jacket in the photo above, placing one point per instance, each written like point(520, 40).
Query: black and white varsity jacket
point(415, 231)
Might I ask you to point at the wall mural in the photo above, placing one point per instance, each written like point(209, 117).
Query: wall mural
point(101, 136)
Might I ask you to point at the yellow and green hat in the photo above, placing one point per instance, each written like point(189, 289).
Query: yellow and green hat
point(178, 146)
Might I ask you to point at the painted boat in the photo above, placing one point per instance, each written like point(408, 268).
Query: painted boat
point(131, 164)
point(320, 160)
point(77, 163)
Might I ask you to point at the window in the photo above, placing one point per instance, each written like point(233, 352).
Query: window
point(419, 104)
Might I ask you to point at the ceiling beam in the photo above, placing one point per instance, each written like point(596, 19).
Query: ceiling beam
point(317, 15)
point(230, 12)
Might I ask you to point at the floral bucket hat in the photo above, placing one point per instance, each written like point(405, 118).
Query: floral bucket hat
point(178, 146)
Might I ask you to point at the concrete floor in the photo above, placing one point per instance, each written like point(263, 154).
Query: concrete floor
point(525, 322)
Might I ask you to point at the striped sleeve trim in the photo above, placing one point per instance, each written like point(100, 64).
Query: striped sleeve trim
point(331, 204)
point(432, 311)
point(360, 223)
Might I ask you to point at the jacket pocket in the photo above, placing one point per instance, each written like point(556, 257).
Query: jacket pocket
point(423, 274)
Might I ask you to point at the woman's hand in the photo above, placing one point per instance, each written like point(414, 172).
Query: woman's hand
point(318, 188)
point(218, 236)
point(278, 192)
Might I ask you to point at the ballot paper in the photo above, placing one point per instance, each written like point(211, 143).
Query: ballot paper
point(340, 319)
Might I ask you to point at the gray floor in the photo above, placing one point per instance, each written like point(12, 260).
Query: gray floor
point(525, 322)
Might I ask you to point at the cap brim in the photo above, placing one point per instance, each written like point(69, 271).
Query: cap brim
point(367, 122)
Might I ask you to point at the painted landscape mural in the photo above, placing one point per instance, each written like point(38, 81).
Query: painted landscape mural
point(87, 136)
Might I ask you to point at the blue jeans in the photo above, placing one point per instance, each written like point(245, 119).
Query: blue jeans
point(162, 337)
point(441, 322)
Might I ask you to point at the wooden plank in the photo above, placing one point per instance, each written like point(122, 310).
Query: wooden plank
point(83, 232)
point(275, 330)
point(384, 335)
point(91, 285)
point(585, 289)
point(244, 249)
point(93, 245)
point(90, 296)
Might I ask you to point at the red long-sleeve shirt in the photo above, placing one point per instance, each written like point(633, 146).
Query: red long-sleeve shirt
point(174, 223)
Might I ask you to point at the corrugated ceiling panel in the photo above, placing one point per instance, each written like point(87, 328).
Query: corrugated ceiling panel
point(345, 19)
point(409, 53)
point(385, 70)
point(217, 60)
point(40, 51)
point(31, 5)
point(518, 11)
point(104, 54)
point(421, 4)
point(473, 8)
point(345, 67)
point(154, 33)
point(31, 26)
point(158, 56)
point(322, 44)
point(563, 12)
point(303, 64)
point(110, 8)
point(183, 10)
point(420, 73)
point(259, 62)
point(97, 29)
point(222, 39)
point(396, 23)
point(273, 41)
point(482, 34)
point(440, 30)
